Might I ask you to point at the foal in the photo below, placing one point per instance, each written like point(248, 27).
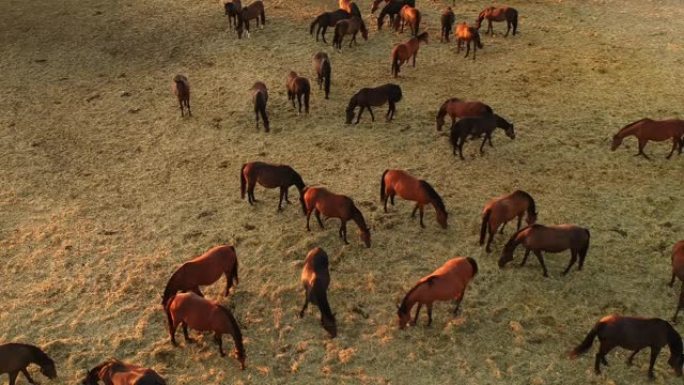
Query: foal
point(400, 182)
point(298, 86)
point(476, 126)
point(411, 16)
point(319, 201)
point(259, 99)
point(252, 11)
point(316, 279)
point(350, 26)
point(457, 108)
point(321, 63)
point(115, 372)
point(270, 176)
point(508, 14)
point(374, 97)
point(181, 88)
point(467, 34)
point(14, 358)
point(655, 130)
point(402, 52)
point(502, 209)
point(232, 9)
point(447, 21)
point(678, 272)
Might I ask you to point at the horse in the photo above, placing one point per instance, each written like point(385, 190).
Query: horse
point(318, 200)
point(467, 34)
point(232, 9)
point(447, 21)
point(316, 279)
point(411, 16)
point(402, 52)
point(457, 108)
point(270, 176)
point(655, 130)
point(552, 239)
point(503, 209)
point(297, 87)
point(350, 26)
point(508, 14)
point(15, 357)
point(204, 270)
point(678, 272)
point(321, 63)
point(391, 9)
point(252, 11)
point(448, 282)
point(259, 99)
point(181, 88)
point(376, 3)
point(476, 126)
point(198, 313)
point(633, 333)
point(115, 372)
point(399, 182)
point(374, 97)
point(327, 19)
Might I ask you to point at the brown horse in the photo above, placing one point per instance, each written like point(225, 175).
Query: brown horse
point(321, 63)
point(475, 127)
point(14, 358)
point(254, 11)
point(232, 9)
point(259, 99)
point(507, 14)
point(391, 9)
point(181, 88)
point(402, 52)
point(198, 313)
point(633, 333)
point(374, 97)
point(411, 16)
point(466, 34)
point(448, 282)
point(115, 372)
point(204, 270)
point(318, 200)
point(447, 21)
point(457, 108)
point(552, 239)
point(502, 209)
point(297, 87)
point(329, 19)
point(399, 182)
point(350, 26)
point(270, 176)
point(678, 272)
point(655, 130)
point(316, 279)
point(399, 3)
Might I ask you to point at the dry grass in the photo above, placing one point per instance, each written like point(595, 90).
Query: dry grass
point(99, 203)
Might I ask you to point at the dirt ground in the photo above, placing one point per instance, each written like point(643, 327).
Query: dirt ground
point(106, 190)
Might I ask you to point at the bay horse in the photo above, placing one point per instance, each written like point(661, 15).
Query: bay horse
point(678, 272)
point(298, 87)
point(321, 201)
point(316, 279)
point(232, 9)
point(448, 282)
point(502, 209)
point(181, 88)
point(474, 127)
point(270, 176)
point(254, 11)
point(191, 310)
point(457, 108)
point(327, 19)
point(411, 16)
point(507, 14)
point(635, 334)
point(402, 52)
point(204, 270)
point(552, 239)
point(374, 97)
point(655, 130)
point(466, 34)
point(322, 66)
point(399, 182)
point(15, 357)
point(115, 372)
point(447, 21)
point(259, 99)
point(350, 26)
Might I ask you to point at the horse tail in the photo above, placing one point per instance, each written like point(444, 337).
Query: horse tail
point(263, 16)
point(327, 73)
point(383, 196)
point(588, 341)
point(307, 93)
point(336, 36)
point(395, 61)
point(170, 290)
point(477, 40)
point(440, 115)
point(243, 181)
point(437, 200)
point(515, 21)
point(583, 251)
point(234, 274)
point(485, 221)
point(167, 310)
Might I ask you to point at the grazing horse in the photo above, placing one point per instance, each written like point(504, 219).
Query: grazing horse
point(476, 126)
point(376, 3)
point(321, 63)
point(14, 358)
point(655, 130)
point(350, 26)
point(392, 10)
point(457, 108)
point(318, 200)
point(232, 9)
point(402, 52)
point(204, 270)
point(252, 11)
point(198, 313)
point(552, 239)
point(502, 209)
point(316, 279)
point(374, 97)
point(259, 99)
point(411, 16)
point(327, 19)
point(270, 176)
point(467, 34)
point(508, 14)
point(400, 182)
point(678, 272)
point(181, 88)
point(447, 21)
point(298, 86)
point(115, 372)
point(633, 333)
point(448, 282)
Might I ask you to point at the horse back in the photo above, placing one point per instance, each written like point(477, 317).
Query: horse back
point(14, 357)
point(634, 333)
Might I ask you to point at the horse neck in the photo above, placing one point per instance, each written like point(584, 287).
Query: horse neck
point(409, 300)
point(674, 341)
point(353, 102)
point(37, 356)
point(628, 131)
point(357, 217)
point(501, 122)
point(234, 330)
point(322, 301)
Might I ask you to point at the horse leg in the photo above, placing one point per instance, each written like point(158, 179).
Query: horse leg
point(429, 312)
point(370, 111)
point(679, 304)
point(318, 218)
point(343, 229)
point(306, 303)
point(488, 248)
point(392, 197)
point(482, 145)
point(358, 117)
point(489, 139)
point(390, 111)
point(299, 102)
point(325, 28)
point(421, 216)
point(186, 334)
point(573, 259)
point(490, 28)
point(672, 280)
point(172, 331)
point(467, 48)
point(415, 209)
point(501, 229)
point(675, 143)
point(519, 221)
point(414, 58)
point(460, 148)
point(604, 349)
point(642, 144)
point(13, 377)
point(27, 375)
point(527, 254)
point(219, 342)
point(415, 319)
point(654, 354)
point(631, 357)
point(458, 305)
point(508, 23)
point(280, 200)
point(308, 217)
point(541, 262)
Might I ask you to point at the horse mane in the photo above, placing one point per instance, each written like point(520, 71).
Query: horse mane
point(631, 125)
point(353, 101)
point(439, 203)
point(357, 216)
point(403, 308)
point(355, 9)
point(674, 340)
point(513, 241)
point(532, 208)
point(237, 336)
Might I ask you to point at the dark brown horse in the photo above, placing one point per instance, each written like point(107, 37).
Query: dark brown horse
point(502, 209)
point(198, 313)
point(551, 239)
point(328, 19)
point(507, 14)
point(399, 182)
point(678, 272)
point(322, 66)
point(14, 358)
point(411, 16)
point(316, 279)
point(374, 97)
point(232, 9)
point(270, 176)
point(320, 201)
point(254, 11)
point(635, 334)
point(466, 34)
point(457, 108)
point(204, 270)
point(115, 372)
point(391, 9)
point(259, 99)
point(655, 130)
point(376, 4)
point(448, 282)
point(298, 87)
point(350, 26)
point(447, 21)
point(475, 127)
point(403, 52)
point(181, 88)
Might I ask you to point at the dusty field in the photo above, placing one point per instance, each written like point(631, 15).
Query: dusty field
point(102, 196)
